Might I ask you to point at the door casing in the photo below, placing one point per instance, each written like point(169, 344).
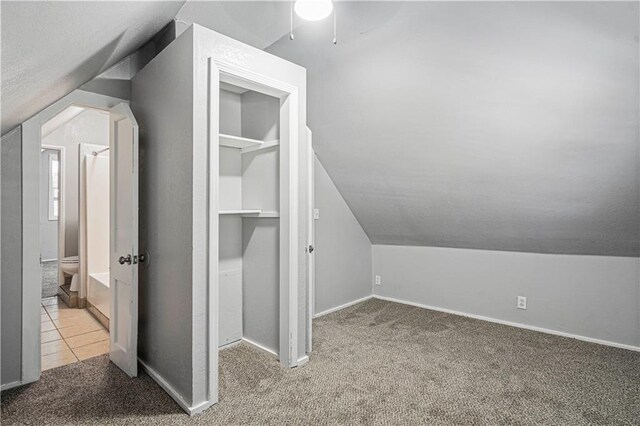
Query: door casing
point(31, 273)
point(289, 210)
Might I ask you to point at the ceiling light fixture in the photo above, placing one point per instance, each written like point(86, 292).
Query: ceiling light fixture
point(313, 10)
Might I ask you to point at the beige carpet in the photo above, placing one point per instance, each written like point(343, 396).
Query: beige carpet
point(374, 363)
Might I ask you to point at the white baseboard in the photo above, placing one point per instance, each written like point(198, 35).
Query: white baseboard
point(302, 361)
point(191, 410)
point(259, 346)
point(10, 385)
point(513, 324)
point(346, 305)
point(229, 345)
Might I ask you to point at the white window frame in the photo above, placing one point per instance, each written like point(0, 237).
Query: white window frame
point(53, 215)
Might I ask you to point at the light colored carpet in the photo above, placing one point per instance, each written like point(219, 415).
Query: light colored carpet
point(49, 278)
point(374, 363)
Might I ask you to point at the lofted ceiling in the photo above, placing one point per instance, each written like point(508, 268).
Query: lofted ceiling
point(51, 48)
point(257, 23)
point(488, 125)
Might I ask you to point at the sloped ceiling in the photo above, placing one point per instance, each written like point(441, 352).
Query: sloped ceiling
point(51, 48)
point(503, 126)
point(257, 23)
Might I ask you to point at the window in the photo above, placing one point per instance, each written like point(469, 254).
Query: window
point(54, 186)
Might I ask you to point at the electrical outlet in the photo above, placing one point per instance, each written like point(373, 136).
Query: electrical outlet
point(522, 302)
point(316, 214)
point(378, 280)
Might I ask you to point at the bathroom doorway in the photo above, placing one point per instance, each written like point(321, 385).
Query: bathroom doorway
point(74, 235)
point(52, 326)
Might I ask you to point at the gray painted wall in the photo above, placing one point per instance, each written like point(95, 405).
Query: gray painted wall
point(343, 250)
point(162, 101)
point(261, 237)
point(591, 296)
point(11, 256)
point(48, 228)
point(261, 282)
point(490, 125)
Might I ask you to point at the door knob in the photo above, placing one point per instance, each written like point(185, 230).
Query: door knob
point(124, 260)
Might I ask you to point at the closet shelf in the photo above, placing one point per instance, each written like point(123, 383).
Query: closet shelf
point(250, 213)
point(245, 144)
point(238, 142)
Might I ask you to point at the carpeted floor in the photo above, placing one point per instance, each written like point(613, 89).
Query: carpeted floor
point(49, 278)
point(374, 363)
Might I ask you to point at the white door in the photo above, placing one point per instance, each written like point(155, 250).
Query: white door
point(123, 251)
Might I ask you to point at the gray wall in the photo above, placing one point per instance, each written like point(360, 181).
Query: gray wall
point(490, 125)
point(11, 268)
point(48, 228)
point(261, 237)
point(162, 101)
point(261, 282)
point(591, 296)
point(343, 250)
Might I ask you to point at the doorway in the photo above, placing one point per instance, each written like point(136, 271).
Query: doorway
point(73, 325)
point(74, 236)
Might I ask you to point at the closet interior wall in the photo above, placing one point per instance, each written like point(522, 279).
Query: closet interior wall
point(249, 242)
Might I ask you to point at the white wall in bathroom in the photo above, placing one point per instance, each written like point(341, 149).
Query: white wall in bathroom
point(91, 126)
point(97, 185)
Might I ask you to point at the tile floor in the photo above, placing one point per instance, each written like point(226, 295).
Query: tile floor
point(69, 334)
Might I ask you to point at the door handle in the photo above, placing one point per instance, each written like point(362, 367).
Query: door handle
point(124, 260)
point(311, 248)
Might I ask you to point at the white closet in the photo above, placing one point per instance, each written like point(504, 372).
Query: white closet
point(249, 235)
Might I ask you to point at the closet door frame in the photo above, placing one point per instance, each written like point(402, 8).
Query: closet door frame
point(289, 209)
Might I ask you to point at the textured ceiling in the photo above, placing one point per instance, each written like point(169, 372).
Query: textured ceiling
point(504, 126)
point(257, 23)
point(51, 48)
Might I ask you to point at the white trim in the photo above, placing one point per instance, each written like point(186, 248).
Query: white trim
point(346, 305)
point(191, 410)
point(513, 324)
point(10, 385)
point(213, 204)
point(230, 345)
point(259, 346)
point(302, 361)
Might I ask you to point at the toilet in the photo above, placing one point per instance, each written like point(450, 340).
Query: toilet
point(69, 266)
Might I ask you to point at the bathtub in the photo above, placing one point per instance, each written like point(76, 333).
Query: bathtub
point(98, 293)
